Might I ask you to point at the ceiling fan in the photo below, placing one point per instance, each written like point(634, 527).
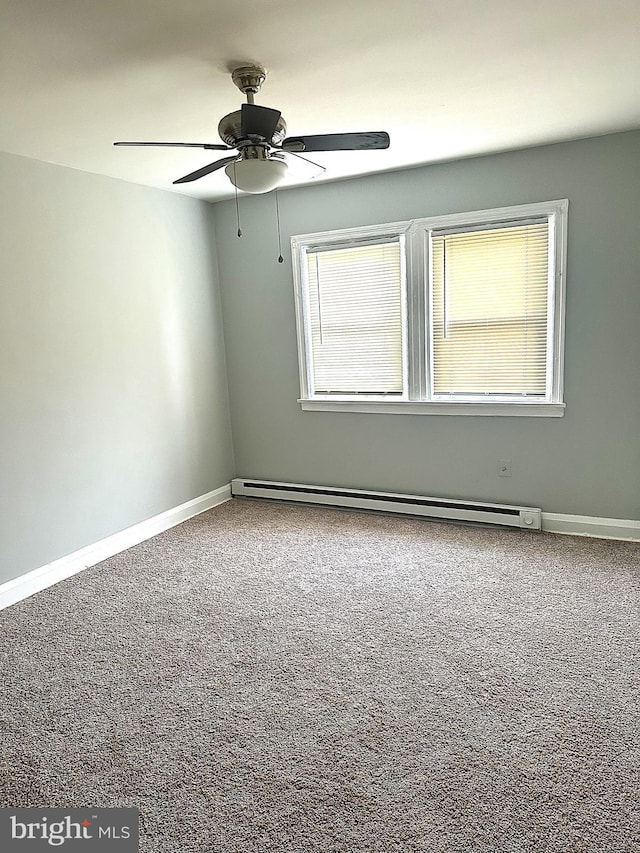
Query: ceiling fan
point(258, 135)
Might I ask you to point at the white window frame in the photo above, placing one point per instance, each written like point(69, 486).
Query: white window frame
point(416, 236)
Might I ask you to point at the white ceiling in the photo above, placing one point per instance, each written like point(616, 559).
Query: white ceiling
point(445, 78)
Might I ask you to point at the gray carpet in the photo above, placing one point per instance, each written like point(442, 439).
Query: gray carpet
point(278, 678)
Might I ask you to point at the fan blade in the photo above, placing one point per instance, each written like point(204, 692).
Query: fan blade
point(259, 121)
point(337, 142)
point(205, 170)
point(180, 145)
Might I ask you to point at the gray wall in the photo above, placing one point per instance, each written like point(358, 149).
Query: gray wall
point(113, 394)
point(585, 463)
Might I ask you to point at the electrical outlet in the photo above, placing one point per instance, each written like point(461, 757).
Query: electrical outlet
point(504, 468)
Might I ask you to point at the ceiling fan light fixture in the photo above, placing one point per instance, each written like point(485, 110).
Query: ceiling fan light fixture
point(256, 175)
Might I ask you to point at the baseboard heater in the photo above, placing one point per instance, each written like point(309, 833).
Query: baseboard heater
point(526, 517)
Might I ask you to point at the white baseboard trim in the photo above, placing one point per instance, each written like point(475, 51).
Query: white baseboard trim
point(26, 585)
point(587, 525)
point(22, 587)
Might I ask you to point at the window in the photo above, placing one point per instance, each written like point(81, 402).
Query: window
point(356, 331)
point(460, 314)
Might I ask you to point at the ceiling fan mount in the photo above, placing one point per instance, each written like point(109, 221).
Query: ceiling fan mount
point(249, 78)
point(258, 135)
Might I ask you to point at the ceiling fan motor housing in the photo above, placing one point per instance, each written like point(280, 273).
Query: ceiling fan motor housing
point(230, 130)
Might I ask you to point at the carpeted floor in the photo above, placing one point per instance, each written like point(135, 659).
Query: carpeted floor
point(275, 678)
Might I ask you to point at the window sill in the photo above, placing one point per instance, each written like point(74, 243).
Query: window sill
point(397, 407)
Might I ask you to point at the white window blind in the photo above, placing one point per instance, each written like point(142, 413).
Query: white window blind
point(490, 311)
point(354, 298)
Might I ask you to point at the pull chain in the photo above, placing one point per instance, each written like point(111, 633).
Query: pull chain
point(280, 258)
point(237, 207)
